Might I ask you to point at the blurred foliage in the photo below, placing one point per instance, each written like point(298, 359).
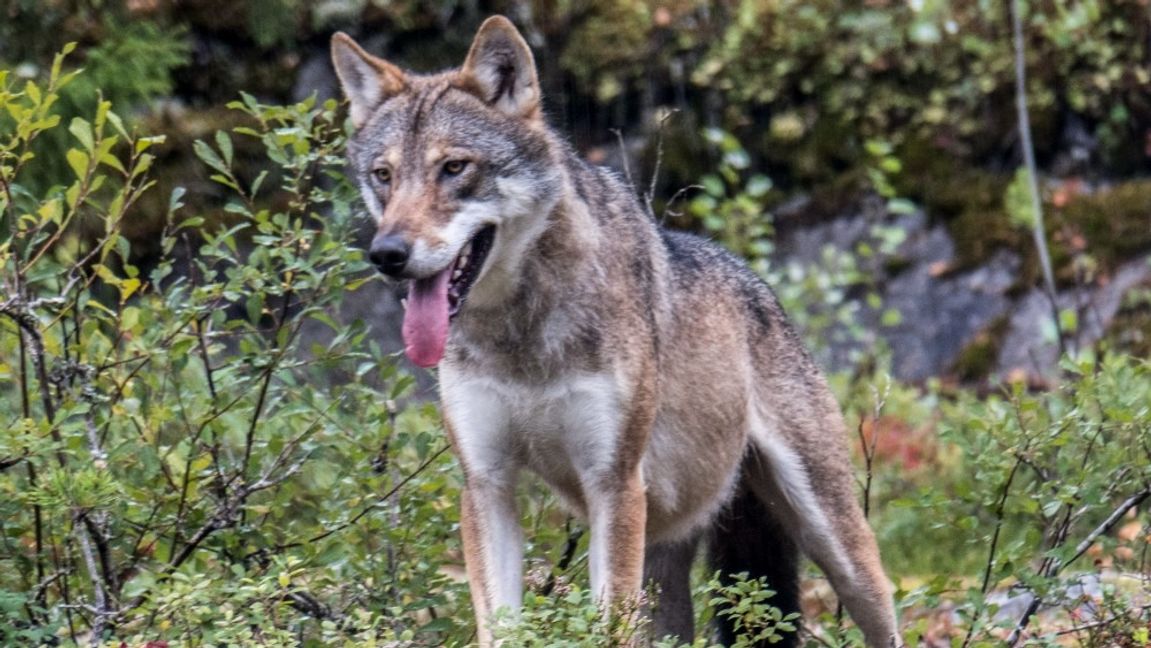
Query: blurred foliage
point(938, 70)
point(813, 81)
point(910, 99)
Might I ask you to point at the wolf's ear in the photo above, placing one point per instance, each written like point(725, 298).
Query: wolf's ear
point(500, 69)
point(367, 81)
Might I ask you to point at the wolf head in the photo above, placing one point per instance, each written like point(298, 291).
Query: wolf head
point(456, 168)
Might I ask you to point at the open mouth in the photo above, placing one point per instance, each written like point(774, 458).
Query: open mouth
point(433, 301)
point(467, 266)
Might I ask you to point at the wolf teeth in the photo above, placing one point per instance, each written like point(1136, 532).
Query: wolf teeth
point(464, 254)
point(404, 303)
point(457, 274)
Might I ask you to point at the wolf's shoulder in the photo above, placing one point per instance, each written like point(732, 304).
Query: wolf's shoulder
point(690, 254)
point(698, 264)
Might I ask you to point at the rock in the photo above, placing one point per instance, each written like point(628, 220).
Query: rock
point(1030, 345)
point(942, 316)
point(943, 312)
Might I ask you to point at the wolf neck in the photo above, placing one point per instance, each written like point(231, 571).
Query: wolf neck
point(540, 287)
point(549, 239)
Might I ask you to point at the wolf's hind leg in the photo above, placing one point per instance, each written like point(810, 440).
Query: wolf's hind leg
point(667, 569)
point(747, 537)
point(816, 498)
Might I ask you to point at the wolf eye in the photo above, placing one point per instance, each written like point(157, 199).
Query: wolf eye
point(383, 175)
point(454, 167)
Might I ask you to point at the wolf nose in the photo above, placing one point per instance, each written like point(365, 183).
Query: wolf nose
point(390, 254)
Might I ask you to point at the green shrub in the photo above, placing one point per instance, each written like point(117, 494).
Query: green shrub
point(174, 464)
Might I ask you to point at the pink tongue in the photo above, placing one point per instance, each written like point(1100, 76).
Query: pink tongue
point(426, 319)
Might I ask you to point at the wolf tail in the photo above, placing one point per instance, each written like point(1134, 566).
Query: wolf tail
point(746, 538)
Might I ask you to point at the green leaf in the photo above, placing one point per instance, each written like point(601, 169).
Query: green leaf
point(209, 157)
point(118, 124)
point(33, 92)
point(225, 144)
point(144, 143)
point(713, 185)
point(82, 130)
point(901, 206)
point(174, 200)
point(1068, 320)
point(78, 160)
point(737, 159)
point(113, 161)
point(758, 186)
point(128, 287)
point(1017, 200)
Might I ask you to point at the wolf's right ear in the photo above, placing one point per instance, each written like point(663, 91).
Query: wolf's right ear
point(367, 80)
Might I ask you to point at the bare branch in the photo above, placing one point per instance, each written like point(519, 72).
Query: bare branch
point(18, 311)
point(667, 211)
point(1105, 526)
point(626, 159)
point(649, 196)
point(994, 548)
point(100, 611)
point(1080, 549)
point(1037, 230)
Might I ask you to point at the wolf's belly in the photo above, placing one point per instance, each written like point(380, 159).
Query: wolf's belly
point(689, 473)
point(570, 432)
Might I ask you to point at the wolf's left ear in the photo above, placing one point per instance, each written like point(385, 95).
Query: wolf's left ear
point(367, 81)
point(501, 71)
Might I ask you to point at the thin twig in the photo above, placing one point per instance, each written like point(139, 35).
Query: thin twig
point(379, 502)
point(101, 611)
point(1126, 505)
point(1102, 623)
point(625, 158)
point(17, 311)
point(999, 514)
point(649, 196)
point(1037, 230)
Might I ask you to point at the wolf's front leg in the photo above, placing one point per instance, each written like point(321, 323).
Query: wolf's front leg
point(616, 495)
point(618, 514)
point(493, 552)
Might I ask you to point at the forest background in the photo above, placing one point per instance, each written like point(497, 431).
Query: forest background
point(208, 438)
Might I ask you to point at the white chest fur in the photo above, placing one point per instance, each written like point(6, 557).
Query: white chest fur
point(567, 430)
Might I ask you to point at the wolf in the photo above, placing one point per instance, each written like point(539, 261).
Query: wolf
point(647, 376)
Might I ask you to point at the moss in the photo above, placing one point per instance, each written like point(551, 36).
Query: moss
point(1115, 222)
point(968, 199)
point(932, 177)
point(1111, 225)
point(824, 152)
point(1130, 330)
point(978, 359)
